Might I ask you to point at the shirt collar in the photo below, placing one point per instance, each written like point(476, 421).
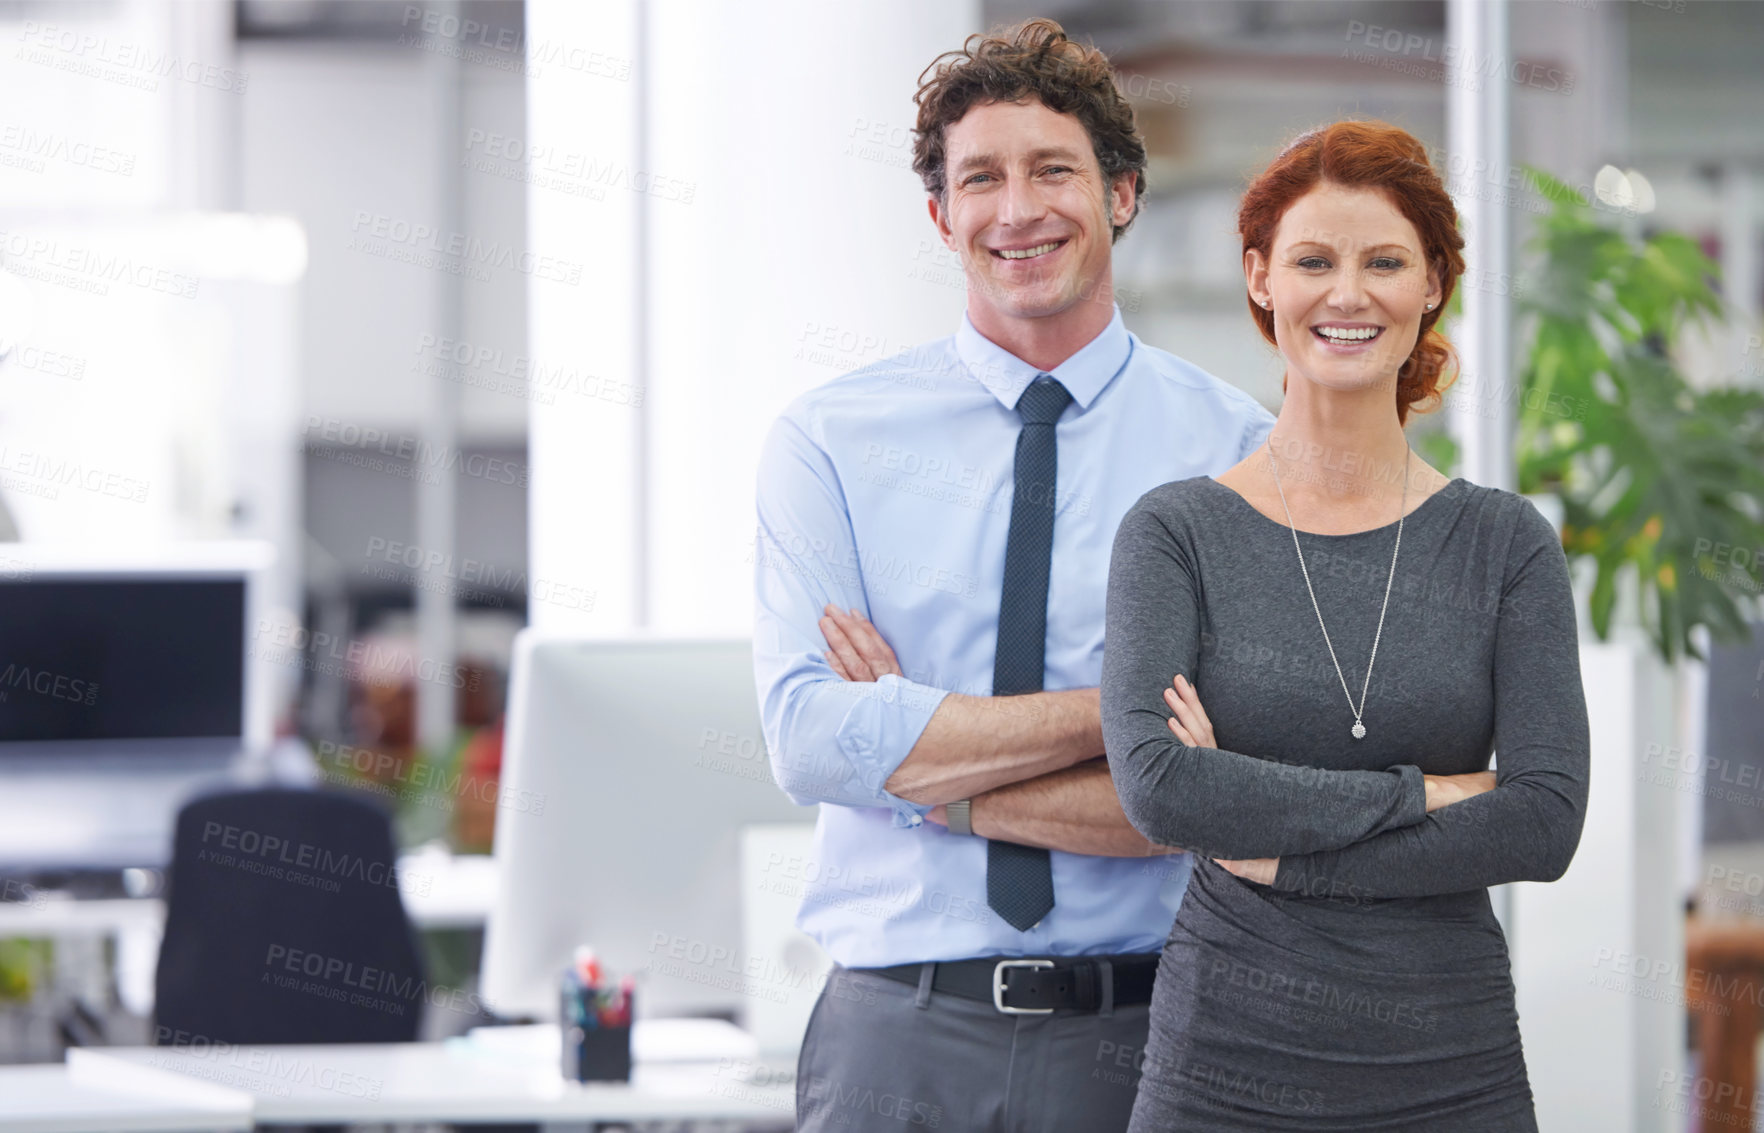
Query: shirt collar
point(1084, 374)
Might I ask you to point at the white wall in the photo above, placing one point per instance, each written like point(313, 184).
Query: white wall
point(769, 213)
point(1598, 956)
point(330, 131)
point(151, 368)
point(583, 500)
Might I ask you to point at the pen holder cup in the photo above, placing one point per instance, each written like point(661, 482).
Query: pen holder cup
point(593, 1052)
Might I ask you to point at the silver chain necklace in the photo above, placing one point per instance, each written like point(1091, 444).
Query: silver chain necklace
point(1359, 729)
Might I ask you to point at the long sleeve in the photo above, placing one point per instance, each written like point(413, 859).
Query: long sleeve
point(1528, 827)
point(1215, 802)
point(829, 740)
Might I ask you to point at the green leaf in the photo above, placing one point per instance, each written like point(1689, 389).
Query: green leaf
point(1651, 470)
point(1559, 193)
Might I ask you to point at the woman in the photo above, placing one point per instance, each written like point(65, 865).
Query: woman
point(1363, 631)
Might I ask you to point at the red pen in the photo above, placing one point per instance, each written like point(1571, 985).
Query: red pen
point(588, 967)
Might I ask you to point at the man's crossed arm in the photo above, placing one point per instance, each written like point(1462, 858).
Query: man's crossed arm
point(1032, 764)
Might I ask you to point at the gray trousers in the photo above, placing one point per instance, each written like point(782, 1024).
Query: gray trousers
point(880, 1055)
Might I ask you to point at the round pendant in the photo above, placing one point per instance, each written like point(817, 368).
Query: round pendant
point(1359, 730)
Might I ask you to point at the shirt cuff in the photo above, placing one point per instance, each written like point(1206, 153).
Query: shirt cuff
point(880, 729)
point(1413, 803)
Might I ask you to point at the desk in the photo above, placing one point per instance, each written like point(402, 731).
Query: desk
point(440, 891)
point(444, 890)
point(58, 915)
point(55, 1099)
point(459, 1081)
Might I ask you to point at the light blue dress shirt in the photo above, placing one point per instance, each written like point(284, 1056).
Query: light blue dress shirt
point(889, 490)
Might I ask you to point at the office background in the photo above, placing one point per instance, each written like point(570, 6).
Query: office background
point(473, 314)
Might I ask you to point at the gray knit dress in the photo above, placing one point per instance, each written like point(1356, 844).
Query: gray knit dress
point(1369, 986)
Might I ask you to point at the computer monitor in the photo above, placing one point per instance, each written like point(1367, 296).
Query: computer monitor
point(100, 651)
point(630, 769)
point(127, 678)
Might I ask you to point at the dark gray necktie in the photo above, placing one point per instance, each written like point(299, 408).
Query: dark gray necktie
point(1019, 879)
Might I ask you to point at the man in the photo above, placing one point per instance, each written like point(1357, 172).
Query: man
point(994, 919)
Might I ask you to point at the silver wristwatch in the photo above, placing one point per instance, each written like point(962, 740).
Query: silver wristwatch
point(959, 819)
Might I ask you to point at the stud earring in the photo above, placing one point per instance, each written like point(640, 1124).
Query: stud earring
point(1430, 306)
point(1268, 303)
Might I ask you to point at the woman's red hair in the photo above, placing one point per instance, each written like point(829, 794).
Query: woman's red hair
point(1373, 155)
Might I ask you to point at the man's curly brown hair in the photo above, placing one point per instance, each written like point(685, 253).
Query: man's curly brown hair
point(1034, 59)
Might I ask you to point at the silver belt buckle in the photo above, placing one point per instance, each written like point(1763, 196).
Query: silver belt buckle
point(998, 986)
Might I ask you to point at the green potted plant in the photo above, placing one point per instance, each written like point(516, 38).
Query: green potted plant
point(1657, 478)
point(23, 963)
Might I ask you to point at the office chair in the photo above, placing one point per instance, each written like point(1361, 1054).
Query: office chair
point(284, 924)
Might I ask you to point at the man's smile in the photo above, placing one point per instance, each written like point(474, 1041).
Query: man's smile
point(1028, 253)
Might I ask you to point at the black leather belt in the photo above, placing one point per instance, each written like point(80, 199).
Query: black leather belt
point(1027, 985)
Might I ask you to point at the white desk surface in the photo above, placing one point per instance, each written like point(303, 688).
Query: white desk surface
point(459, 1081)
point(54, 914)
point(439, 891)
point(53, 1098)
point(443, 890)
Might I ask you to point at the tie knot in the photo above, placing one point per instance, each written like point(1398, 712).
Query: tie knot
point(1043, 402)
